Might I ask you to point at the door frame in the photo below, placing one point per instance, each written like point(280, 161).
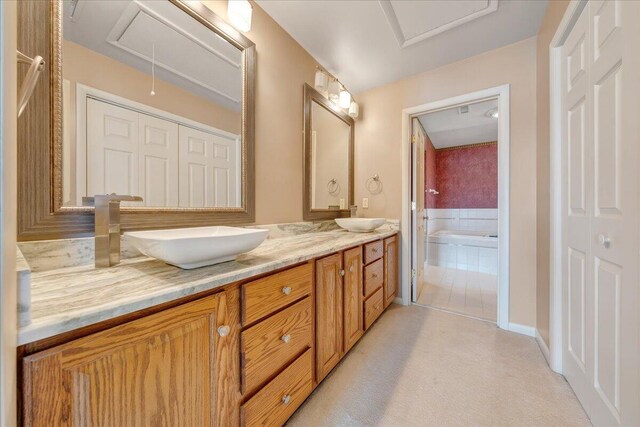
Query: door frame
point(574, 9)
point(406, 228)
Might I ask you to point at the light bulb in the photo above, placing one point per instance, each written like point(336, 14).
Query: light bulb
point(239, 13)
point(345, 99)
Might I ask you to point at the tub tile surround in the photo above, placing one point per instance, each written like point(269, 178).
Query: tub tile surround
point(68, 292)
point(462, 219)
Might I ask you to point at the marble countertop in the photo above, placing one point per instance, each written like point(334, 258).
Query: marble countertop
point(72, 297)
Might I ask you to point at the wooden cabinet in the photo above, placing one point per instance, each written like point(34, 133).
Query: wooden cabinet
point(329, 314)
point(247, 355)
point(353, 321)
point(390, 269)
point(176, 367)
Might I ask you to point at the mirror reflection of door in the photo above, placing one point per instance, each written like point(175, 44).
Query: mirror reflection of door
point(329, 159)
point(419, 213)
point(152, 106)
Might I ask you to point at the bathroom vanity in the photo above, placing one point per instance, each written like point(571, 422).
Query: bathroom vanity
point(239, 343)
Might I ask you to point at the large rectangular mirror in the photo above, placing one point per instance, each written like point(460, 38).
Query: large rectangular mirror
point(328, 147)
point(148, 98)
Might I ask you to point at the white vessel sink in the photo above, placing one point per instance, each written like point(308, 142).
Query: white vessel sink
point(360, 225)
point(196, 247)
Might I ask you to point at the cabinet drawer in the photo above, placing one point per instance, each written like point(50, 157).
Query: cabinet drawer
point(274, 342)
point(372, 251)
point(264, 296)
point(275, 403)
point(373, 277)
point(373, 307)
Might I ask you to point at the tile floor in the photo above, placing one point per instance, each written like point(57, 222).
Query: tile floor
point(465, 292)
point(422, 367)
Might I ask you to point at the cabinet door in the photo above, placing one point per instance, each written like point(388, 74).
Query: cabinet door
point(353, 327)
point(390, 269)
point(328, 314)
point(170, 368)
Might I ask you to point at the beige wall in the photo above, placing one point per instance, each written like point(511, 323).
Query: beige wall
point(378, 147)
point(82, 65)
point(282, 69)
point(552, 18)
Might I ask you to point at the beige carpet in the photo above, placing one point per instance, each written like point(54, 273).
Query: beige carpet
point(422, 367)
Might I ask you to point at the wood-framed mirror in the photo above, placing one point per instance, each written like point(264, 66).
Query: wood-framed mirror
point(328, 158)
point(139, 97)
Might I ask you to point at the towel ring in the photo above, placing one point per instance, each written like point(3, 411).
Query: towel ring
point(374, 185)
point(333, 187)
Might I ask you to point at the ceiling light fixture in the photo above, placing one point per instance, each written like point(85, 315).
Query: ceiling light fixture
point(492, 113)
point(239, 13)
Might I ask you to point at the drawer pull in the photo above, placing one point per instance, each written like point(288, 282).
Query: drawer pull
point(223, 330)
point(377, 306)
point(374, 275)
point(375, 250)
point(341, 273)
point(286, 290)
point(286, 399)
point(286, 338)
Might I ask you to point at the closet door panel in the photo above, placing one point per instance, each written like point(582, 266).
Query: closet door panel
point(158, 161)
point(112, 149)
point(195, 169)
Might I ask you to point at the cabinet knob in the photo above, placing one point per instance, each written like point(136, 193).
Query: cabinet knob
point(286, 290)
point(376, 307)
point(286, 338)
point(351, 269)
point(286, 399)
point(375, 250)
point(224, 330)
point(341, 273)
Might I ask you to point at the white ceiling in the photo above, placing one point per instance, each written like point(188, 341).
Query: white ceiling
point(361, 42)
point(187, 54)
point(450, 128)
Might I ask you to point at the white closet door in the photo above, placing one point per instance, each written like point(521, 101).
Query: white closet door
point(208, 169)
point(600, 201)
point(158, 161)
point(225, 171)
point(112, 149)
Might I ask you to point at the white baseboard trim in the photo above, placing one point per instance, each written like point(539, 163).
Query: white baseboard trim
point(397, 300)
point(529, 331)
point(543, 347)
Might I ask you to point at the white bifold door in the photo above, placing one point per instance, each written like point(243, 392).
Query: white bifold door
point(167, 163)
point(600, 192)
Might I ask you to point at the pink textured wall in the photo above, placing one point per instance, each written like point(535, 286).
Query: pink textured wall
point(467, 177)
point(429, 174)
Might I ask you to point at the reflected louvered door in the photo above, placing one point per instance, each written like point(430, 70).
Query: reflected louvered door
point(601, 217)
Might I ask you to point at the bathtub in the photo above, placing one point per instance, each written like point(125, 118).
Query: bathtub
point(463, 250)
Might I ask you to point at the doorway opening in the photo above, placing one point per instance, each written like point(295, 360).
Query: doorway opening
point(457, 180)
point(456, 210)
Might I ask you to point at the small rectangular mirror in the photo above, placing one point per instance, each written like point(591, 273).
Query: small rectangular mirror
point(328, 142)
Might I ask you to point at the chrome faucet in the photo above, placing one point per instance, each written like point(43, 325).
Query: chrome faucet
point(353, 211)
point(107, 223)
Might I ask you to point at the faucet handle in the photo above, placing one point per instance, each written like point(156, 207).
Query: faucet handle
point(108, 198)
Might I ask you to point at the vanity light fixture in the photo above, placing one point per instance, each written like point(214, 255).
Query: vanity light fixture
point(321, 81)
point(239, 13)
point(345, 98)
point(492, 113)
point(354, 109)
point(334, 91)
